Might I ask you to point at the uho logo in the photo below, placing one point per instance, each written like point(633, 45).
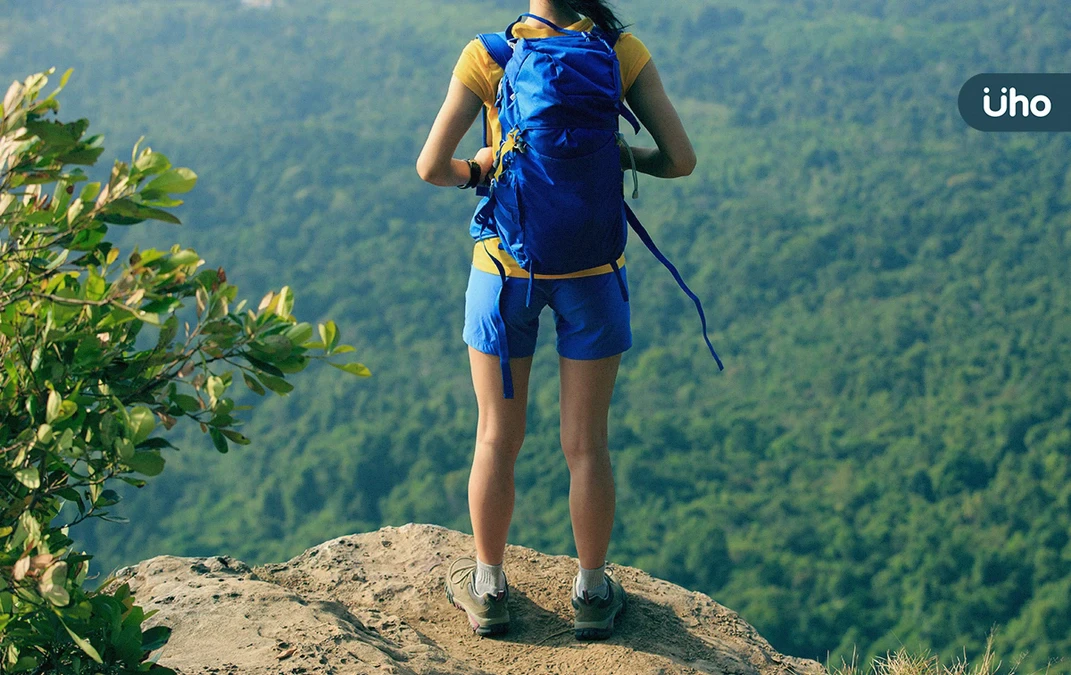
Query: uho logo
point(1017, 102)
point(1029, 105)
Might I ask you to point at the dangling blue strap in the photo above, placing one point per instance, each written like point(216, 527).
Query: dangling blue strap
point(500, 329)
point(531, 281)
point(646, 239)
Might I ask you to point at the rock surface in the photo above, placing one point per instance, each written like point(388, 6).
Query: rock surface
point(374, 603)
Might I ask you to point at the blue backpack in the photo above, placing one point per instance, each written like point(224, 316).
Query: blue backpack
point(556, 199)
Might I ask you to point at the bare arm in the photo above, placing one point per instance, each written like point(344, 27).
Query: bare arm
point(674, 155)
point(436, 163)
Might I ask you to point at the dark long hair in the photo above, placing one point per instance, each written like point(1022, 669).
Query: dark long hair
point(598, 11)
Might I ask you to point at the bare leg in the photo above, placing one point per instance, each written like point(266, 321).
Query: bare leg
point(587, 387)
point(499, 434)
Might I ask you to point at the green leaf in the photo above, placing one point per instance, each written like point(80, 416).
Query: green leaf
point(185, 257)
point(285, 304)
point(216, 387)
point(24, 664)
point(70, 494)
point(358, 369)
point(67, 409)
point(84, 644)
point(148, 463)
point(278, 347)
point(174, 181)
point(125, 449)
point(127, 212)
point(252, 383)
point(108, 498)
point(88, 239)
point(298, 334)
point(329, 335)
point(52, 409)
point(89, 192)
point(55, 133)
point(159, 199)
point(39, 218)
point(169, 329)
point(218, 440)
point(29, 476)
point(152, 163)
point(188, 404)
point(155, 444)
point(263, 365)
point(235, 436)
point(83, 154)
point(293, 364)
point(66, 440)
point(142, 423)
point(277, 384)
point(154, 638)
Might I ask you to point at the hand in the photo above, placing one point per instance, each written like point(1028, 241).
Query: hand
point(485, 157)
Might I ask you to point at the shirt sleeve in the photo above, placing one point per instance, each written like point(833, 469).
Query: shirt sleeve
point(632, 54)
point(475, 69)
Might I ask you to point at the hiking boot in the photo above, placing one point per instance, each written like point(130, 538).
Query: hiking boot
point(594, 617)
point(488, 614)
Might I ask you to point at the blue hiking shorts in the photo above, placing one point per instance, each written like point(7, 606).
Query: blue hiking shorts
point(591, 315)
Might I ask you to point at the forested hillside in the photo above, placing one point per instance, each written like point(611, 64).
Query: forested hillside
point(885, 459)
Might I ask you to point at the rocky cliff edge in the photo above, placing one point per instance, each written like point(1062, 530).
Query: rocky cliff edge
point(374, 603)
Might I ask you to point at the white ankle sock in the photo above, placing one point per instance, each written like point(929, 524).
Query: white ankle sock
point(490, 579)
point(593, 582)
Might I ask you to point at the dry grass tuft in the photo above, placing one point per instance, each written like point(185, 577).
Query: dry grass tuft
point(902, 662)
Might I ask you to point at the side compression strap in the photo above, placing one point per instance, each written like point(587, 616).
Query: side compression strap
point(646, 239)
point(620, 280)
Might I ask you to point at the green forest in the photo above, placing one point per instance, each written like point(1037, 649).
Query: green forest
point(886, 459)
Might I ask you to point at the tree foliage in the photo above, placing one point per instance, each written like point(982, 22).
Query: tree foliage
point(99, 352)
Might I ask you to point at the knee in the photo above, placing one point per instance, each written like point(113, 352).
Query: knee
point(584, 451)
point(500, 446)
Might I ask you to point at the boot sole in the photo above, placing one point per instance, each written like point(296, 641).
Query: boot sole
point(601, 632)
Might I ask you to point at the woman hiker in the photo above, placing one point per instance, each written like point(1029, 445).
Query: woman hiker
point(591, 317)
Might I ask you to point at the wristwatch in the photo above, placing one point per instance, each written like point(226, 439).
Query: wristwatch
point(475, 173)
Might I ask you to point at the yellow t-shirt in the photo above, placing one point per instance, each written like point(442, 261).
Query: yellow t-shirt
point(479, 72)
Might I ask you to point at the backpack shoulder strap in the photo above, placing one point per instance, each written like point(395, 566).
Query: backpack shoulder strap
point(497, 45)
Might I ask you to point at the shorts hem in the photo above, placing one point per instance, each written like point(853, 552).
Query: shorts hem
point(483, 348)
point(588, 357)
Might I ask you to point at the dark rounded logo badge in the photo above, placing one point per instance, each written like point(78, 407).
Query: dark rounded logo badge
point(1017, 102)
